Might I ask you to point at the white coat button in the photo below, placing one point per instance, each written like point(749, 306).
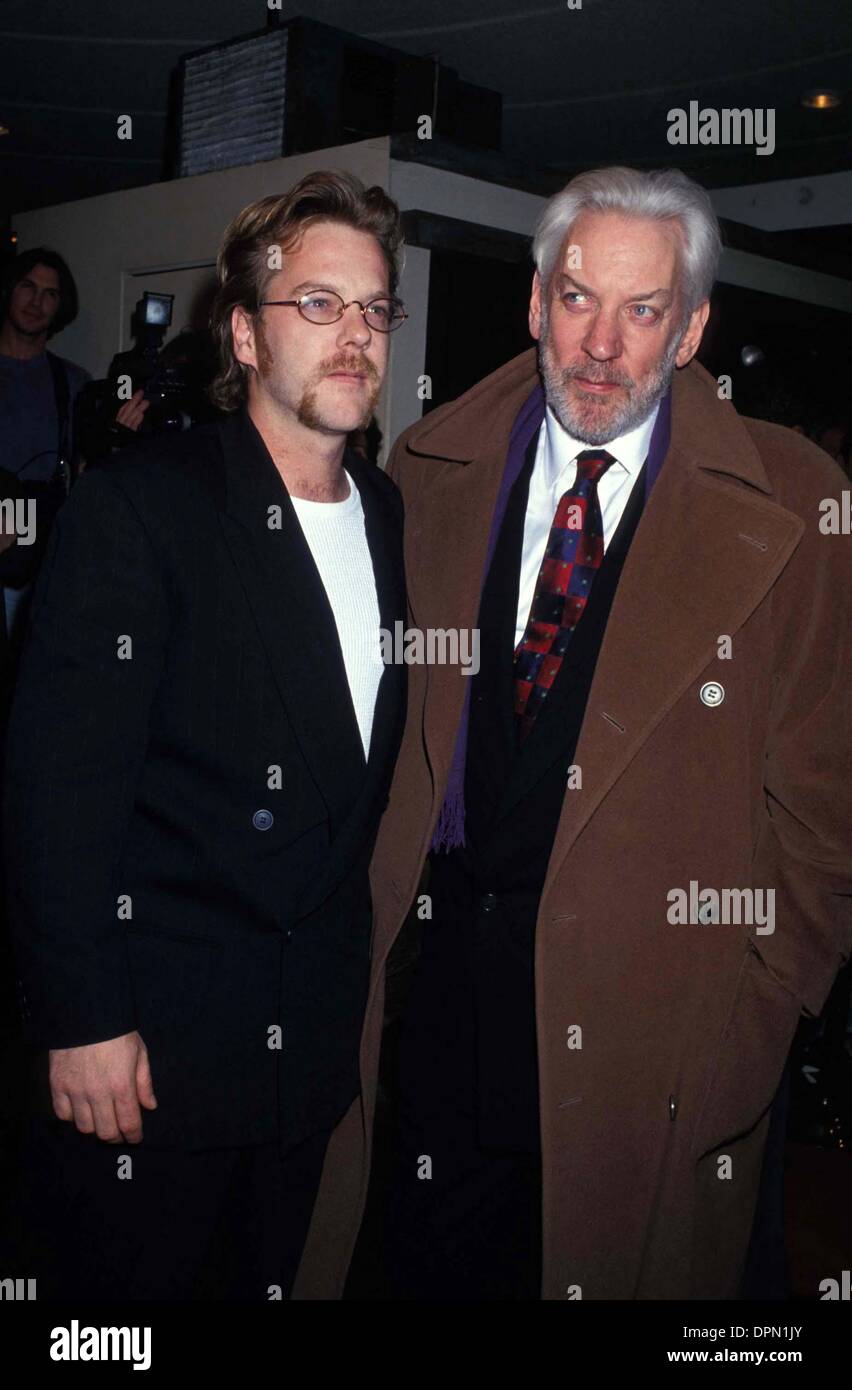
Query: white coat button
point(712, 693)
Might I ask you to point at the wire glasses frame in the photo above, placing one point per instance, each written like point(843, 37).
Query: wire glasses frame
point(324, 307)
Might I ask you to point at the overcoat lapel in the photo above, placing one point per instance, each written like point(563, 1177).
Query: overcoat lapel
point(705, 555)
point(447, 542)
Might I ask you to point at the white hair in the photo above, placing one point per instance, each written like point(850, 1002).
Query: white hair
point(664, 194)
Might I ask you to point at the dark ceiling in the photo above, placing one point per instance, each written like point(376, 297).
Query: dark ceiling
point(580, 86)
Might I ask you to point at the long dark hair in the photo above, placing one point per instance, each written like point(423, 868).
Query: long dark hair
point(21, 266)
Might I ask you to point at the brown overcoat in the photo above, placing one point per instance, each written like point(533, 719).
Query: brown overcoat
point(653, 1129)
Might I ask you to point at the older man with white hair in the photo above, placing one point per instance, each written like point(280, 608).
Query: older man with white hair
point(636, 815)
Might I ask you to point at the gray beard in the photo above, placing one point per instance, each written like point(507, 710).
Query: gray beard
point(576, 419)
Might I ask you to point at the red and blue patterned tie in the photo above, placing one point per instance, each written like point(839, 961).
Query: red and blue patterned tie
point(572, 558)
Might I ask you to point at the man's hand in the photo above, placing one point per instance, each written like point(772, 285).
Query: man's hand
point(132, 413)
point(101, 1086)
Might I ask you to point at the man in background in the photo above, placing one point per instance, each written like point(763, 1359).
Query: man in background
point(38, 298)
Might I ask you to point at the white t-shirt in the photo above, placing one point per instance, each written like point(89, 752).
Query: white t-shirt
point(337, 539)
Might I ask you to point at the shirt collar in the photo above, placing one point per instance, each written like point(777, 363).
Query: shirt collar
point(560, 450)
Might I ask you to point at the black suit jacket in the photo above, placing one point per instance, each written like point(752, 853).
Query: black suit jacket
point(188, 813)
point(488, 893)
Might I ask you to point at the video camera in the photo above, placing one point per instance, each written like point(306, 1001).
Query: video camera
point(174, 379)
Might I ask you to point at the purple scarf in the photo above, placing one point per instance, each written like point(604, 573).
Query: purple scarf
point(449, 832)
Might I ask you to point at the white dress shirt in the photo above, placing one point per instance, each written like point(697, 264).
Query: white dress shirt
point(554, 472)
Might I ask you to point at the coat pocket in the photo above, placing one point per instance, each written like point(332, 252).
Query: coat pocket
point(749, 1060)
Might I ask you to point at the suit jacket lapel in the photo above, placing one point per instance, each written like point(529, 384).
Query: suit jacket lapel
point(501, 594)
point(292, 613)
point(383, 526)
point(553, 729)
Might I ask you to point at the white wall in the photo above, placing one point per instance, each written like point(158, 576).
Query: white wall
point(822, 201)
point(791, 281)
point(457, 195)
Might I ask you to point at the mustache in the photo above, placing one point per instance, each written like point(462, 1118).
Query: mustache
point(347, 362)
point(600, 375)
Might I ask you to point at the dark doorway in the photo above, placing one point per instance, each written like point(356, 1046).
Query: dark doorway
point(477, 319)
point(789, 361)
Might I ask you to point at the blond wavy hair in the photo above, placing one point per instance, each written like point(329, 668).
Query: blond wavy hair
point(243, 264)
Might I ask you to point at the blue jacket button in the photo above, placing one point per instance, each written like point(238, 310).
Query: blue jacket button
point(262, 820)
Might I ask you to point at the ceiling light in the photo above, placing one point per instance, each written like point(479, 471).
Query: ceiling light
point(821, 101)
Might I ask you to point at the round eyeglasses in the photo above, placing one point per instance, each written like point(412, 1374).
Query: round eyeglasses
point(324, 306)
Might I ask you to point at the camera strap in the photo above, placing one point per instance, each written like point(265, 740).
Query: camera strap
point(62, 395)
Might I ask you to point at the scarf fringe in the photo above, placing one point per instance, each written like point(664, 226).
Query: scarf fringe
point(449, 832)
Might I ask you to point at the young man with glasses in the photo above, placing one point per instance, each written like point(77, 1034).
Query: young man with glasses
point(200, 750)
